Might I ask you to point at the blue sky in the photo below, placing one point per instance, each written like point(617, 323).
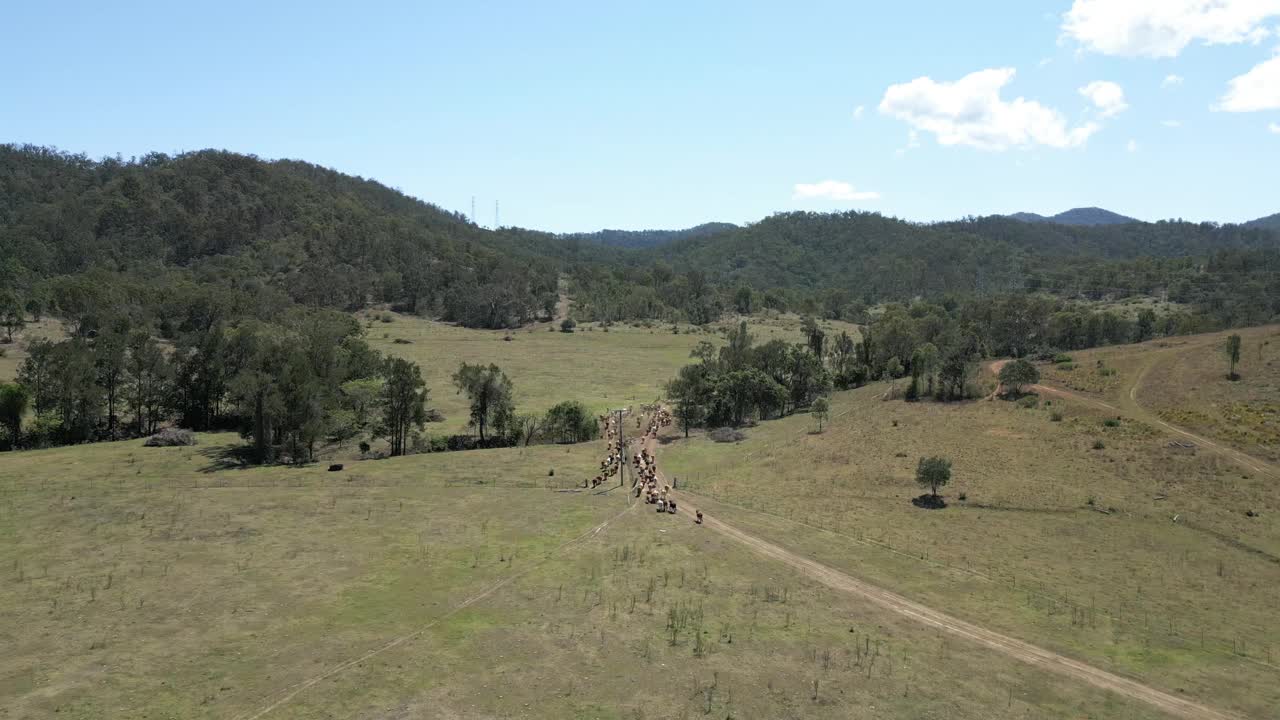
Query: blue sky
point(582, 115)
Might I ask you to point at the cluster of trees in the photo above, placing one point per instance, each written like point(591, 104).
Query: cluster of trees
point(288, 386)
point(493, 413)
point(938, 346)
point(743, 380)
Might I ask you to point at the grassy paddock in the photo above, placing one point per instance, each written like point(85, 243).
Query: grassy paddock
point(16, 351)
point(141, 582)
point(603, 368)
point(1057, 542)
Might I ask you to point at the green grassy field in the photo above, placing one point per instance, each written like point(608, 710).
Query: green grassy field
point(142, 582)
point(1057, 543)
point(171, 583)
point(603, 368)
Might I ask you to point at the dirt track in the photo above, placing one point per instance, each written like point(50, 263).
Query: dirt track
point(1133, 409)
point(1026, 652)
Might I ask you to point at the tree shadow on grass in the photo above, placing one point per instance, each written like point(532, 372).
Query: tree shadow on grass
point(929, 502)
point(227, 457)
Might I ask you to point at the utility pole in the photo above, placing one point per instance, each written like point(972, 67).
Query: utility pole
point(622, 451)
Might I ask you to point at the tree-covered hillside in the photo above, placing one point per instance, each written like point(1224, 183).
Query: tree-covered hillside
point(1077, 216)
point(160, 233)
point(1271, 222)
point(1229, 272)
point(650, 238)
point(286, 229)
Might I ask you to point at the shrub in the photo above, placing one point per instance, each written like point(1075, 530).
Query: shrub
point(1111, 422)
point(1106, 371)
point(1067, 367)
point(364, 447)
point(1099, 445)
point(386, 317)
point(1029, 402)
point(567, 325)
point(171, 437)
point(402, 341)
point(1055, 416)
point(1061, 358)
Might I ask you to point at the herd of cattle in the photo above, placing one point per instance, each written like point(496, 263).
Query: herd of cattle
point(645, 480)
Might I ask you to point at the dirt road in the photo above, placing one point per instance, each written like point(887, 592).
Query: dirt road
point(1026, 652)
point(1131, 408)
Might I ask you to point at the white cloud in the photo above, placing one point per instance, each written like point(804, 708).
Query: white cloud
point(1171, 123)
point(1171, 81)
point(1131, 146)
point(1258, 89)
point(1107, 96)
point(971, 112)
point(1163, 28)
point(832, 190)
point(857, 112)
point(1274, 127)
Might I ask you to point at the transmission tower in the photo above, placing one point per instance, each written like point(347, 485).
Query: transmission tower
point(496, 224)
point(473, 209)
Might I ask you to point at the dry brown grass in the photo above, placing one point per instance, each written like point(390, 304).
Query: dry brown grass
point(1057, 543)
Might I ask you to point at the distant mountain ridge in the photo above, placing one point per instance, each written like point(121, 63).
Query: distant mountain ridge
point(1087, 216)
point(1270, 222)
point(636, 239)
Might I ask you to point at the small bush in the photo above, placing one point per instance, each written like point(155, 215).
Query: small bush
point(1106, 371)
point(386, 317)
point(364, 447)
point(171, 437)
point(567, 325)
point(1099, 445)
point(1029, 402)
point(1068, 367)
point(726, 434)
point(1061, 358)
point(1055, 416)
point(1111, 422)
point(402, 341)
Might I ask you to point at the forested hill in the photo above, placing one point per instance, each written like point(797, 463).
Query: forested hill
point(285, 228)
point(1078, 216)
point(878, 257)
point(178, 239)
point(650, 238)
point(1271, 222)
